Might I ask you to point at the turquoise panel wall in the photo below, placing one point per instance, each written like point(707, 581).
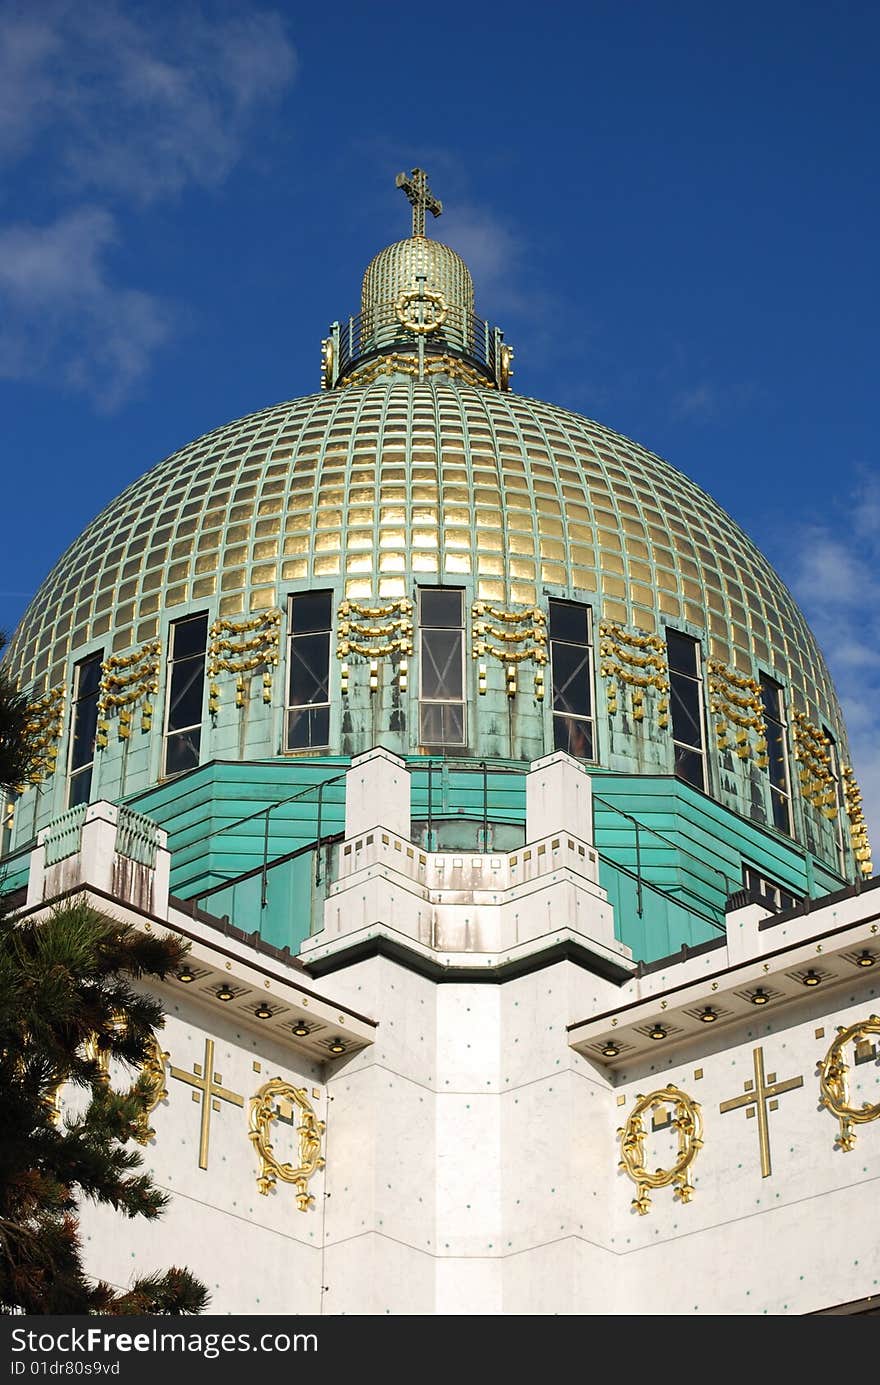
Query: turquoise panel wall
point(669, 855)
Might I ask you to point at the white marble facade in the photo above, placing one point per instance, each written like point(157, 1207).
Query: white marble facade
point(471, 1124)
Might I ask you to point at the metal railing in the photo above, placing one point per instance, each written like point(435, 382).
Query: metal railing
point(380, 330)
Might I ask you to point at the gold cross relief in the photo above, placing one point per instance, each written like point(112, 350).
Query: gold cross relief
point(758, 1093)
point(210, 1092)
point(415, 185)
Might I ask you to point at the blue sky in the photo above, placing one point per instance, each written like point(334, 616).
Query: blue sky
point(671, 208)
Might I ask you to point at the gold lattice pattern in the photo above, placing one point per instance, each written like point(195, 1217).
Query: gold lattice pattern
point(858, 828)
point(735, 703)
point(127, 680)
point(636, 661)
point(244, 647)
point(812, 750)
point(513, 637)
point(45, 724)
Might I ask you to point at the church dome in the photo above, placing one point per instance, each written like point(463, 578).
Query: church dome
point(426, 471)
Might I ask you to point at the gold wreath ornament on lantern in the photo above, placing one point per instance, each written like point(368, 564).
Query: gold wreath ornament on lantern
point(687, 1120)
point(411, 321)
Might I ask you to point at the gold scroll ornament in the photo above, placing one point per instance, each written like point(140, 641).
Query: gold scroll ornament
point(265, 1107)
point(243, 647)
point(735, 703)
point(513, 637)
point(44, 726)
point(687, 1120)
point(635, 661)
point(834, 1092)
point(127, 680)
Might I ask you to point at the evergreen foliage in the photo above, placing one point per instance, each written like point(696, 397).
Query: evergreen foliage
point(67, 1000)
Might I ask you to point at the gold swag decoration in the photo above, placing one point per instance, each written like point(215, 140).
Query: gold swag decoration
point(45, 724)
point(858, 828)
point(812, 751)
point(127, 680)
point(244, 647)
point(637, 662)
point(687, 1120)
point(834, 1083)
point(262, 1112)
point(521, 635)
point(735, 702)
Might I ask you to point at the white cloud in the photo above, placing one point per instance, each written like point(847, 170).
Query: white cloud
point(835, 567)
point(63, 315)
point(136, 100)
point(107, 104)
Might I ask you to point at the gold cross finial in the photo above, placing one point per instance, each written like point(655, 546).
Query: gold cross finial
point(415, 185)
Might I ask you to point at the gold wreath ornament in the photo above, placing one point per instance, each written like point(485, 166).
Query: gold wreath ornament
point(687, 1120)
point(834, 1091)
point(411, 321)
point(264, 1109)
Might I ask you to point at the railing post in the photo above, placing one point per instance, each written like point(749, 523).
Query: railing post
point(430, 805)
point(318, 834)
point(485, 769)
point(264, 889)
point(638, 870)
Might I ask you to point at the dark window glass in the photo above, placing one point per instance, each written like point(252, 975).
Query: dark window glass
point(440, 606)
point(777, 753)
point(186, 694)
point(686, 708)
point(441, 665)
point(308, 678)
point(83, 729)
point(572, 679)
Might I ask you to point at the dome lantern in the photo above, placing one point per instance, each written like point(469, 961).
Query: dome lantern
point(417, 314)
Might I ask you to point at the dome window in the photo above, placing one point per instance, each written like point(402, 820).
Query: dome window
point(686, 707)
point(773, 702)
point(441, 665)
point(83, 728)
point(571, 664)
point(186, 695)
point(308, 676)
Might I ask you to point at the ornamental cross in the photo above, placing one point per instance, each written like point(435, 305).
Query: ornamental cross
point(209, 1091)
point(416, 188)
point(757, 1094)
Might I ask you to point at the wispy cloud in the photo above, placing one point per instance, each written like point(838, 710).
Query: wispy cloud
point(705, 401)
point(835, 573)
point(119, 106)
point(63, 315)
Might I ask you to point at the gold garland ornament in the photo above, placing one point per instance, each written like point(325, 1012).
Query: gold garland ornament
point(735, 701)
point(687, 1120)
point(375, 631)
point(812, 751)
point(229, 653)
point(264, 1109)
point(44, 726)
point(526, 628)
point(412, 321)
point(127, 680)
point(635, 661)
point(858, 828)
point(834, 1083)
point(402, 363)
